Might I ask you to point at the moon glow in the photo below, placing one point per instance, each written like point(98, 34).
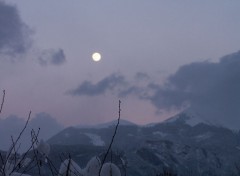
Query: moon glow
point(96, 57)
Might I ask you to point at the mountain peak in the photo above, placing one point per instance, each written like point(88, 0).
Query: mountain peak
point(189, 117)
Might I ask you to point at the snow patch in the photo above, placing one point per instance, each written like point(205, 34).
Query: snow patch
point(96, 140)
point(150, 125)
point(193, 121)
point(203, 136)
point(159, 133)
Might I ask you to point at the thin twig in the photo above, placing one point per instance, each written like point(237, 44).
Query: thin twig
point(32, 167)
point(68, 166)
point(51, 165)
point(36, 153)
point(114, 134)
point(18, 138)
point(1, 157)
point(15, 152)
point(3, 98)
point(25, 154)
point(16, 168)
point(33, 142)
point(34, 136)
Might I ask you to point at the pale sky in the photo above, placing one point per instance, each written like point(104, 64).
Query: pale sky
point(142, 43)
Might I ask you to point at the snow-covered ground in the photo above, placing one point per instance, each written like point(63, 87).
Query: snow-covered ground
point(96, 140)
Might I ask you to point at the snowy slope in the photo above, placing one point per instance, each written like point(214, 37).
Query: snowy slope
point(188, 117)
point(95, 139)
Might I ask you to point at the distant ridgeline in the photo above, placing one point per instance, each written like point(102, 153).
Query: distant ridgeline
point(182, 145)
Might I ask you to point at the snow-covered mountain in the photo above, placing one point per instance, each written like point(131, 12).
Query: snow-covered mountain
point(189, 118)
point(185, 144)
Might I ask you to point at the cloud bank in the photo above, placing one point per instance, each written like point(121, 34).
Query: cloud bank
point(210, 89)
point(15, 38)
point(116, 84)
point(14, 33)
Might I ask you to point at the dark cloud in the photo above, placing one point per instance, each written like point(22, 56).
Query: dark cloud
point(14, 34)
point(52, 57)
point(141, 86)
point(210, 89)
point(15, 38)
point(141, 76)
point(141, 91)
point(111, 83)
point(131, 90)
point(12, 126)
point(117, 84)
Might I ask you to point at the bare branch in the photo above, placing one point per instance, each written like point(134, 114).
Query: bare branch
point(51, 165)
point(68, 166)
point(114, 134)
point(15, 142)
point(34, 141)
point(39, 162)
point(15, 152)
point(19, 136)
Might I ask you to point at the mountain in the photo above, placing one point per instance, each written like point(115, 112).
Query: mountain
point(189, 118)
point(184, 144)
point(122, 122)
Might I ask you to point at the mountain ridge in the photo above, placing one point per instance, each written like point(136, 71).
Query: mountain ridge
point(174, 144)
point(122, 122)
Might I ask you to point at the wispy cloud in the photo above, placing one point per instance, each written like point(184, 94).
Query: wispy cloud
point(139, 86)
point(52, 57)
point(88, 88)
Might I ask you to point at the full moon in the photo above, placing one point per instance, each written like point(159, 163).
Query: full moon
point(96, 57)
